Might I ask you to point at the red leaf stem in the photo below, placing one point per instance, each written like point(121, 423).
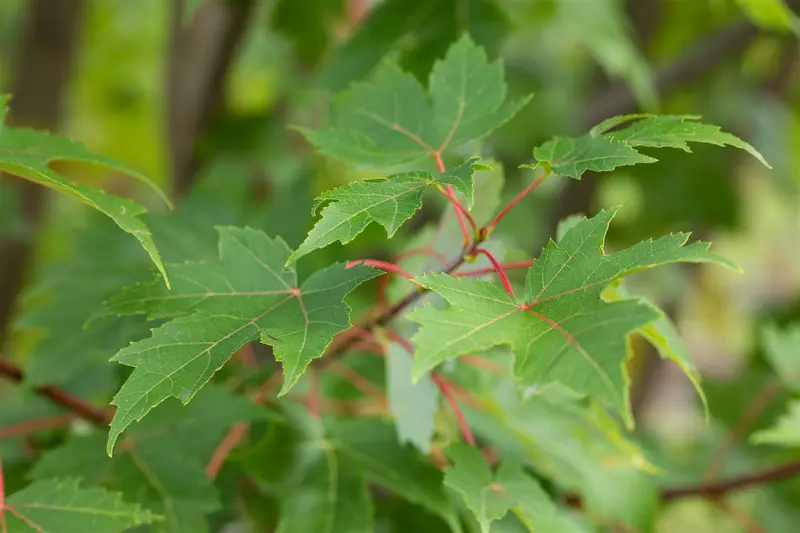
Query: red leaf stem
point(490, 226)
point(498, 268)
point(511, 265)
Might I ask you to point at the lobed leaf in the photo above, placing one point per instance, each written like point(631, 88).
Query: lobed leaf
point(29, 154)
point(602, 150)
point(491, 495)
point(388, 201)
point(393, 121)
point(221, 306)
point(61, 506)
point(561, 331)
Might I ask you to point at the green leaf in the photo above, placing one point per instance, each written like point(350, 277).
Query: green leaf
point(664, 336)
point(221, 306)
point(560, 331)
point(321, 495)
point(393, 121)
point(782, 349)
point(61, 506)
point(29, 153)
point(162, 465)
point(602, 151)
point(388, 201)
point(371, 446)
point(785, 433)
point(413, 405)
point(771, 14)
point(490, 496)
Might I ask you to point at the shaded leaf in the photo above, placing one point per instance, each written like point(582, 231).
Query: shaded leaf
point(413, 405)
point(321, 495)
point(162, 464)
point(29, 153)
point(393, 121)
point(663, 335)
point(371, 447)
point(560, 331)
point(61, 506)
point(602, 150)
point(388, 201)
point(221, 306)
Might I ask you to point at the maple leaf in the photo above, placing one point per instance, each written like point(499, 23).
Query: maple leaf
point(221, 306)
point(388, 201)
point(393, 121)
point(561, 330)
point(602, 150)
point(490, 496)
point(28, 154)
point(61, 506)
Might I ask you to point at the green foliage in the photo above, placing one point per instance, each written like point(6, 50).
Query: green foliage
point(439, 378)
point(605, 148)
point(389, 201)
point(61, 506)
point(393, 121)
point(29, 155)
point(216, 309)
point(490, 496)
point(560, 331)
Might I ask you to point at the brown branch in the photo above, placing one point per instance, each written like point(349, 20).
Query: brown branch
point(200, 57)
point(66, 399)
point(42, 66)
point(27, 427)
point(748, 417)
point(718, 488)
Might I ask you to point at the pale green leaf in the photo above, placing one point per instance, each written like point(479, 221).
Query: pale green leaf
point(560, 330)
point(470, 476)
point(393, 121)
point(413, 405)
point(771, 14)
point(221, 306)
point(663, 335)
point(29, 154)
point(785, 433)
point(491, 495)
point(61, 506)
point(388, 201)
point(782, 349)
point(601, 150)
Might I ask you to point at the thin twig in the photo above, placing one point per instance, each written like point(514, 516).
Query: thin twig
point(64, 398)
point(759, 477)
point(747, 418)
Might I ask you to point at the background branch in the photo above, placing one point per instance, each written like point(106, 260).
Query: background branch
point(200, 56)
point(41, 71)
